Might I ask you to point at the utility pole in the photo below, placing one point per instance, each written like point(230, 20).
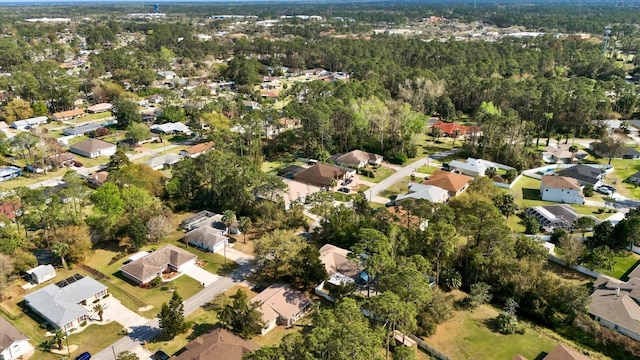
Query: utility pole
point(114, 353)
point(66, 332)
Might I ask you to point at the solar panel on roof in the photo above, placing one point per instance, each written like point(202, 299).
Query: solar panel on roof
point(68, 281)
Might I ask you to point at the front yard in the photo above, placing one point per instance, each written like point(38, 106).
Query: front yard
point(625, 261)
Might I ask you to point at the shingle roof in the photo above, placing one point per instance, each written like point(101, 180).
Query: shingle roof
point(100, 107)
point(354, 157)
point(562, 352)
point(218, 344)
point(196, 149)
point(428, 192)
point(447, 180)
point(206, 235)
point(584, 173)
point(320, 174)
point(70, 113)
point(60, 305)
point(156, 261)
point(280, 300)
point(336, 260)
point(560, 182)
point(9, 334)
point(91, 146)
point(622, 309)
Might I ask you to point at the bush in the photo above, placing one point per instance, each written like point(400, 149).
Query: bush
point(507, 324)
point(164, 288)
point(588, 190)
point(106, 296)
point(96, 300)
point(83, 324)
point(157, 281)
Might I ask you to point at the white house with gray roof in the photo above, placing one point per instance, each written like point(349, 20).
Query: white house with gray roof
point(41, 273)
point(62, 304)
point(13, 343)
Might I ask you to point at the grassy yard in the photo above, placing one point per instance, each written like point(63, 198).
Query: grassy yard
point(622, 169)
point(472, 335)
point(625, 261)
point(399, 187)
point(428, 169)
point(96, 337)
point(381, 173)
point(91, 117)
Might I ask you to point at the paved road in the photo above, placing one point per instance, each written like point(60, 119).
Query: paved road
point(140, 334)
point(374, 192)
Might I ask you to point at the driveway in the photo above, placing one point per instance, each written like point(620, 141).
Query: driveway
point(403, 172)
point(114, 310)
point(201, 275)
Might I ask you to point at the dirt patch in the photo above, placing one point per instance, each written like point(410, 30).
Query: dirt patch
point(141, 149)
point(145, 308)
point(64, 351)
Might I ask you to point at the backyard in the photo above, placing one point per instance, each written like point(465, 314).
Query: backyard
point(625, 262)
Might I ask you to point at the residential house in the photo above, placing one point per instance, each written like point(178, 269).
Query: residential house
point(561, 189)
point(99, 108)
point(454, 129)
point(616, 303)
point(217, 344)
point(60, 160)
point(27, 124)
point(207, 238)
point(163, 161)
point(41, 273)
point(93, 148)
point(634, 179)
point(166, 75)
point(9, 172)
point(251, 105)
point(627, 153)
point(296, 192)
point(340, 267)
point(430, 193)
point(10, 208)
point(552, 217)
point(212, 220)
point(476, 167)
point(323, 174)
point(62, 305)
point(151, 266)
point(98, 179)
point(561, 155)
point(171, 128)
point(196, 150)
point(358, 159)
point(560, 352)
point(67, 115)
point(281, 305)
point(13, 343)
point(82, 129)
point(630, 154)
point(454, 183)
point(188, 223)
point(585, 174)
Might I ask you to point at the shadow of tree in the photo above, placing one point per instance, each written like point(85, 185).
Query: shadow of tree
point(200, 329)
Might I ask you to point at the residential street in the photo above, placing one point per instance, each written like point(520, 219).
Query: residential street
point(140, 334)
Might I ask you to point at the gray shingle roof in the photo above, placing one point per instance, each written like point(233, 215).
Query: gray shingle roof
point(9, 334)
point(206, 235)
point(60, 305)
point(156, 261)
point(584, 173)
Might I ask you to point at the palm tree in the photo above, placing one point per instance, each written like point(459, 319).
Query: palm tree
point(573, 149)
point(61, 249)
point(58, 336)
point(228, 218)
point(244, 224)
point(99, 308)
point(491, 172)
point(436, 133)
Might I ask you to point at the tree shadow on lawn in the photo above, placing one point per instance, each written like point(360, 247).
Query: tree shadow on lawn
point(491, 324)
point(531, 194)
point(625, 276)
point(200, 329)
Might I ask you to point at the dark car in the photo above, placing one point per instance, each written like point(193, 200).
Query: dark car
point(83, 356)
point(344, 190)
point(77, 164)
point(160, 355)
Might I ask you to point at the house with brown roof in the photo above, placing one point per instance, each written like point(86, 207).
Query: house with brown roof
point(340, 267)
point(322, 174)
point(560, 352)
point(616, 304)
point(93, 148)
point(454, 183)
point(67, 115)
point(561, 189)
point(217, 344)
point(99, 108)
point(358, 159)
point(454, 129)
point(281, 305)
point(13, 343)
point(98, 179)
point(169, 258)
point(196, 150)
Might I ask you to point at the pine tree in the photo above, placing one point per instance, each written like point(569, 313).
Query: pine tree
point(172, 317)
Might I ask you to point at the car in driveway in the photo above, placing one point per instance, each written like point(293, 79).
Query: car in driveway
point(344, 190)
point(347, 182)
point(603, 190)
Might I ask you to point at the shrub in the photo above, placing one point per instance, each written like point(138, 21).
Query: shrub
point(164, 288)
point(106, 296)
point(83, 324)
point(507, 324)
point(157, 281)
point(96, 300)
point(588, 190)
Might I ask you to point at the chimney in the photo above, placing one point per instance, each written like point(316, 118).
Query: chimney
point(617, 291)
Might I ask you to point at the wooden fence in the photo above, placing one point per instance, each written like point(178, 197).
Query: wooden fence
point(429, 349)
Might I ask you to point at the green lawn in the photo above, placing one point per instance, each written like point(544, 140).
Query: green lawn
point(380, 172)
point(472, 335)
point(428, 169)
point(625, 261)
point(96, 337)
point(91, 117)
point(399, 187)
point(622, 169)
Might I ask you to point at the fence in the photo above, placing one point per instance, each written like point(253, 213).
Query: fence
point(428, 348)
point(578, 268)
point(509, 185)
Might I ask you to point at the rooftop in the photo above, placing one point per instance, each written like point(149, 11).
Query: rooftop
point(156, 261)
point(280, 300)
point(447, 180)
point(560, 182)
point(217, 344)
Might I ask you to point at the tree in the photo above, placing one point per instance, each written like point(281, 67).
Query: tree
point(601, 258)
point(244, 224)
point(39, 108)
point(436, 133)
point(118, 160)
point(376, 250)
point(510, 175)
point(390, 311)
point(609, 147)
point(451, 280)
point(603, 235)
point(573, 149)
point(583, 224)
point(507, 321)
point(628, 231)
point(306, 268)
point(159, 227)
point(138, 132)
point(16, 109)
point(491, 172)
point(228, 218)
point(531, 225)
point(76, 237)
point(478, 295)
point(506, 204)
point(99, 308)
point(172, 317)
point(7, 267)
point(572, 250)
point(58, 336)
point(127, 355)
point(276, 248)
point(442, 239)
point(126, 112)
point(61, 250)
point(239, 315)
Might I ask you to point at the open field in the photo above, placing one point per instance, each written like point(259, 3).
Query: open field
point(473, 335)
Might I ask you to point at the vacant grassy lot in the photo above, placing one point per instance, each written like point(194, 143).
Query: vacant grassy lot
point(473, 335)
point(622, 169)
point(399, 187)
point(381, 173)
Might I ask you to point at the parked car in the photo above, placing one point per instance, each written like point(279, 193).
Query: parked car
point(347, 182)
point(83, 356)
point(344, 190)
point(604, 190)
point(609, 187)
point(77, 164)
